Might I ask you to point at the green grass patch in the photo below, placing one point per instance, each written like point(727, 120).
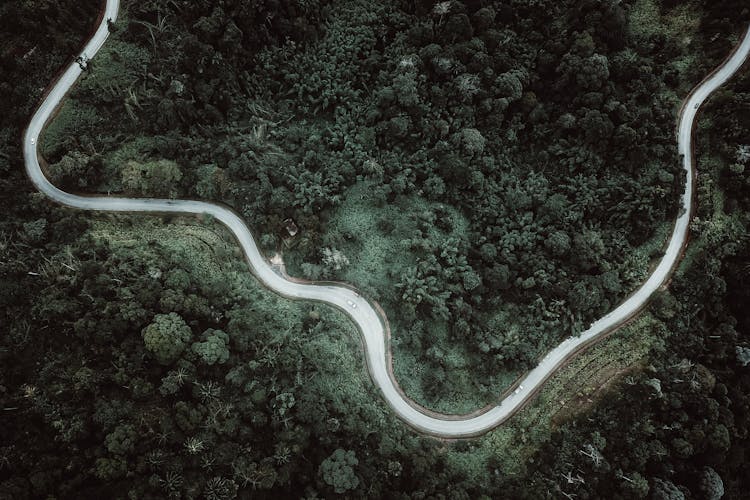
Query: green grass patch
point(374, 237)
point(76, 122)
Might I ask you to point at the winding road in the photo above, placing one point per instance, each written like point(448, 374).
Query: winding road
point(371, 324)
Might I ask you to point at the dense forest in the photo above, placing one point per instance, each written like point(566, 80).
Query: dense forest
point(685, 419)
point(496, 174)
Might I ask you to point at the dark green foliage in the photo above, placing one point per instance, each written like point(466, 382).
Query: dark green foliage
point(680, 429)
point(552, 139)
point(542, 127)
point(338, 471)
point(166, 337)
point(213, 349)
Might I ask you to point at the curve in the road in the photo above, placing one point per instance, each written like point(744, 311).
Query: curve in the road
point(370, 323)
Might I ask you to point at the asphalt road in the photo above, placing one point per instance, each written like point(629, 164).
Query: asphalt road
point(357, 307)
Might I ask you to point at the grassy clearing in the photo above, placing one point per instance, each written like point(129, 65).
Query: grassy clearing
point(645, 18)
point(374, 239)
point(205, 251)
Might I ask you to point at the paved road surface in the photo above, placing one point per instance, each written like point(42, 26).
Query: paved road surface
point(360, 310)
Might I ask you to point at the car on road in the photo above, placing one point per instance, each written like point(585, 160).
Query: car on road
point(352, 304)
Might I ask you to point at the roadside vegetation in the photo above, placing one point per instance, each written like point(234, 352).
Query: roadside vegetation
point(495, 176)
point(679, 427)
